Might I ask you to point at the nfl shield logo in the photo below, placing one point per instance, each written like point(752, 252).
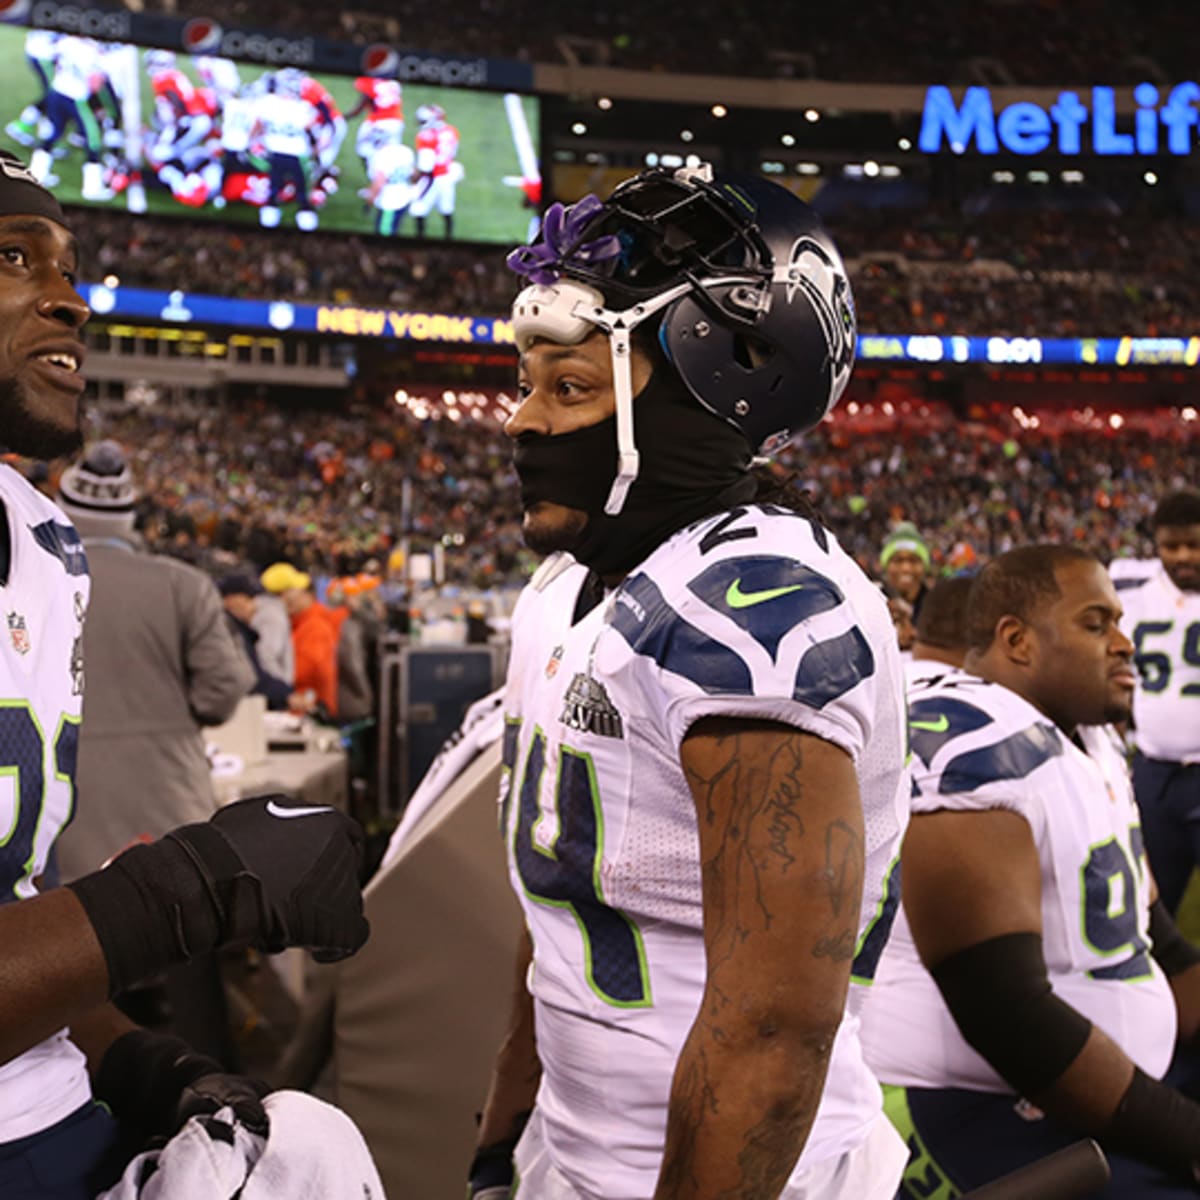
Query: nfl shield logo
point(19, 633)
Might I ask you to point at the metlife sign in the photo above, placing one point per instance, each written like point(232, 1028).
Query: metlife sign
point(1073, 124)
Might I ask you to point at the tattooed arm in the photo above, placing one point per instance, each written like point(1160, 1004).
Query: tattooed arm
point(781, 848)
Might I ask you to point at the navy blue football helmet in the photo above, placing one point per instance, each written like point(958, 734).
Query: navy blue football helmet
point(754, 307)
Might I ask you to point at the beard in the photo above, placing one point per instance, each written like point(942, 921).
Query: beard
point(549, 527)
point(33, 433)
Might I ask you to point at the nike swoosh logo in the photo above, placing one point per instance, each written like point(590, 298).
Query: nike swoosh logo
point(736, 598)
point(938, 726)
point(287, 813)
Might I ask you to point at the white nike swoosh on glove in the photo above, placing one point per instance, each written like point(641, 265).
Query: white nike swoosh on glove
point(276, 811)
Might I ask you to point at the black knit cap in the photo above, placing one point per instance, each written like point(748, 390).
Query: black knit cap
point(21, 195)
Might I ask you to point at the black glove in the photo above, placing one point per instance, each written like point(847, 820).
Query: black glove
point(154, 1083)
point(263, 872)
point(491, 1174)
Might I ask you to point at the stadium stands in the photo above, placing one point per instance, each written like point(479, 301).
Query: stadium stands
point(1042, 274)
point(1030, 41)
point(324, 489)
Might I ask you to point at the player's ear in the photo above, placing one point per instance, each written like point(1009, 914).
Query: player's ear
point(1015, 639)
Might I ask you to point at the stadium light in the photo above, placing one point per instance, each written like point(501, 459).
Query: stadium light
point(686, 135)
point(1151, 178)
point(788, 139)
point(111, 281)
point(579, 128)
point(604, 103)
point(904, 144)
point(811, 116)
point(870, 168)
point(719, 111)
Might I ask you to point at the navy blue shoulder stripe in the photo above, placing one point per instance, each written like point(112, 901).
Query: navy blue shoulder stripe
point(830, 669)
point(1018, 755)
point(1127, 585)
point(652, 627)
point(766, 595)
point(63, 542)
point(933, 721)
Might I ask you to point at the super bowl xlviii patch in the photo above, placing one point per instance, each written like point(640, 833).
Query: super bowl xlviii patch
point(76, 666)
point(587, 708)
point(18, 632)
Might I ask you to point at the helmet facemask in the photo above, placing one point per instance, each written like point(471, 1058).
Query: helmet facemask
point(754, 308)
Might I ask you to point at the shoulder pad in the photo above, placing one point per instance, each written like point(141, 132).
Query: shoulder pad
point(1127, 584)
point(642, 616)
point(937, 719)
point(766, 595)
point(1013, 757)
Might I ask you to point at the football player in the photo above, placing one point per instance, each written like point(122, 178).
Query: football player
point(184, 117)
point(1162, 614)
point(78, 75)
point(382, 103)
point(257, 873)
point(1033, 987)
point(704, 718)
point(940, 636)
point(284, 119)
point(439, 170)
point(33, 124)
point(391, 167)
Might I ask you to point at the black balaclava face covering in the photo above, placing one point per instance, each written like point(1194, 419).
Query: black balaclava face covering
point(692, 463)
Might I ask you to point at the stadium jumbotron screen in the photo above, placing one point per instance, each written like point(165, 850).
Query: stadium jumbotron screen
point(148, 130)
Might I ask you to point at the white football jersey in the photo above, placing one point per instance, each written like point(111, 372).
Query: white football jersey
point(978, 746)
point(1164, 624)
point(76, 65)
point(755, 613)
point(41, 700)
point(392, 168)
point(285, 121)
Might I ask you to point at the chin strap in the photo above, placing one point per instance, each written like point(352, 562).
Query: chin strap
point(627, 453)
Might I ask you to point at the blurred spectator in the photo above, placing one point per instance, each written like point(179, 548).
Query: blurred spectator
point(975, 482)
point(355, 695)
point(239, 595)
point(314, 636)
point(943, 268)
point(905, 562)
point(160, 663)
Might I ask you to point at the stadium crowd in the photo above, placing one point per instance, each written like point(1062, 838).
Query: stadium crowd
point(327, 490)
point(1034, 41)
point(1045, 274)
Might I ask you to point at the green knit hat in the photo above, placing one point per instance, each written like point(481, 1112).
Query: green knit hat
point(905, 536)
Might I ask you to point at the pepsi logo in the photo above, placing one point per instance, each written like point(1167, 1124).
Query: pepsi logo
point(376, 60)
point(200, 35)
point(14, 10)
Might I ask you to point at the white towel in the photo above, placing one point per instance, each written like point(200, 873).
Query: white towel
point(313, 1152)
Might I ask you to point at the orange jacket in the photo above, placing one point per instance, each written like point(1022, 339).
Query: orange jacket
point(315, 644)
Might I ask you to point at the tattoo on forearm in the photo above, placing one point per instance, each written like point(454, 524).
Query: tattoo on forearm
point(769, 1154)
point(843, 876)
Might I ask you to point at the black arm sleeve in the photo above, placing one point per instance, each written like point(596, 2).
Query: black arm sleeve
point(1171, 950)
point(1000, 997)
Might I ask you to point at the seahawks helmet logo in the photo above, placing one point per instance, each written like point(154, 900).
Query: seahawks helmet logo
point(811, 270)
